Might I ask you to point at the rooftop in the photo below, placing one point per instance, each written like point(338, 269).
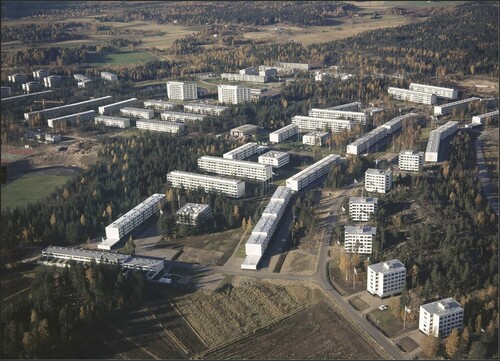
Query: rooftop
point(410, 152)
point(246, 127)
point(193, 208)
point(369, 200)
point(377, 171)
point(360, 230)
point(442, 307)
point(331, 158)
point(387, 266)
point(274, 154)
point(281, 193)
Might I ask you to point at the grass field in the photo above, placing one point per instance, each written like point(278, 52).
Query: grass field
point(124, 57)
point(31, 187)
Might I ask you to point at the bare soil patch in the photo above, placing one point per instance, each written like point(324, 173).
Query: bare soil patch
point(406, 344)
point(299, 263)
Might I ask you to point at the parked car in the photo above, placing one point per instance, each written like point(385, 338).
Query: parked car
point(383, 307)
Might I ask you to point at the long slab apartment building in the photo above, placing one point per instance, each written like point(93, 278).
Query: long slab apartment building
point(230, 187)
point(137, 113)
point(181, 117)
point(281, 134)
point(412, 96)
point(159, 104)
point(160, 126)
point(362, 208)
point(481, 118)
point(124, 225)
point(206, 109)
point(436, 137)
point(313, 172)
point(242, 152)
point(386, 278)
point(71, 119)
point(107, 109)
point(357, 117)
point(307, 123)
point(440, 92)
point(446, 109)
point(236, 168)
point(266, 226)
point(109, 121)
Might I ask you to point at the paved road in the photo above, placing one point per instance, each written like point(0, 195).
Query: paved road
point(483, 174)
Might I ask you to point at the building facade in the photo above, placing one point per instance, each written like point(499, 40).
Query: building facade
point(244, 130)
point(231, 187)
point(411, 160)
point(6, 91)
point(378, 180)
point(352, 107)
point(40, 74)
point(107, 109)
point(206, 109)
point(359, 239)
point(313, 172)
point(193, 214)
point(32, 87)
point(441, 317)
point(179, 90)
point(480, 119)
point(357, 117)
point(275, 159)
point(236, 168)
point(440, 92)
point(245, 151)
point(315, 138)
point(181, 117)
point(412, 96)
point(116, 122)
point(137, 113)
point(233, 94)
point(106, 75)
point(321, 124)
point(446, 109)
point(386, 278)
point(161, 126)
point(68, 108)
point(159, 104)
point(436, 137)
point(281, 134)
point(362, 208)
point(52, 81)
point(71, 119)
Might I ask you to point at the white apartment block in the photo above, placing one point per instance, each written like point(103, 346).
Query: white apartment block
point(446, 109)
point(71, 118)
point(286, 132)
point(480, 119)
point(137, 113)
point(81, 78)
point(359, 239)
point(68, 108)
point(161, 126)
point(244, 130)
point(353, 107)
point(52, 81)
point(292, 66)
point(233, 94)
point(32, 86)
point(206, 109)
point(412, 96)
point(181, 117)
point(396, 123)
point(311, 123)
point(313, 172)
point(131, 220)
point(6, 91)
point(17, 78)
point(365, 142)
point(182, 90)
point(274, 158)
point(193, 214)
point(236, 168)
point(231, 187)
point(362, 208)
point(378, 180)
point(315, 138)
point(159, 104)
point(106, 75)
point(106, 109)
point(264, 229)
point(358, 117)
point(440, 92)
point(245, 151)
point(41, 74)
point(252, 70)
point(411, 160)
point(441, 317)
point(436, 137)
point(386, 278)
point(254, 78)
point(116, 122)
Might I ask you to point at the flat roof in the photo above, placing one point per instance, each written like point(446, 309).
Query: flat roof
point(154, 121)
point(458, 102)
point(169, 112)
point(193, 208)
point(245, 163)
point(109, 117)
point(206, 106)
point(281, 192)
point(442, 307)
point(245, 127)
point(256, 239)
point(360, 230)
point(264, 224)
point(284, 129)
point(316, 133)
point(387, 266)
point(137, 109)
point(252, 260)
point(377, 171)
point(274, 154)
point(88, 112)
point(431, 86)
point(242, 148)
point(312, 168)
point(369, 200)
point(495, 112)
point(89, 254)
point(273, 207)
point(409, 91)
point(410, 152)
point(205, 177)
point(319, 119)
point(126, 101)
point(372, 134)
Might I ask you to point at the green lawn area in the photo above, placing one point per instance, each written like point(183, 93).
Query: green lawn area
point(30, 188)
point(124, 57)
point(388, 323)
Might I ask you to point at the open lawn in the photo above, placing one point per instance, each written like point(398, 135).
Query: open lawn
point(124, 57)
point(388, 324)
point(32, 187)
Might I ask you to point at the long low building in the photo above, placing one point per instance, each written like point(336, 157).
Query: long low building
point(358, 117)
point(275, 158)
point(245, 151)
point(206, 109)
point(244, 130)
point(108, 121)
point(286, 132)
point(72, 119)
point(480, 119)
point(124, 225)
point(231, 187)
point(412, 96)
point(353, 107)
point(106, 109)
point(436, 137)
point(66, 109)
point(313, 172)
point(254, 78)
point(161, 126)
point(315, 138)
point(182, 117)
point(160, 104)
point(440, 92)
point(446, 109)
point(137, 113)
point(236, 168)
point(395, 124)
point(24, 96)
point(312, 123)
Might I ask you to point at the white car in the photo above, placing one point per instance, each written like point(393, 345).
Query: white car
point(383, 307)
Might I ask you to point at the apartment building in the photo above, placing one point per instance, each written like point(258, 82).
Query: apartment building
point(244, 130)
point(446, 109)
point(107, 109)
point(254, 78)
point(230, 187)
point(440, 92)
point(161, 126)
point(52, 81)
point(364, 143)
point(17, 78)
point(395, 124)
point(362, 208)
point(124, 225)
point(378, 180)
point(280, 65)
point(236, 168)
point(106, 75)
point(441, 317)
point(206, 109)
point(436, 137)
point(411, 160)
point(352, 107)
point(68, 108)
point(313, 172)
point(193, 214)
point(181, 117)
point(307, 123)
point(233, 94)
point(315, 138)
point(275, 159)
point(386, 278)
point(412, 96)
point(359, 239)
point(159, 104)
point(242, 152)
point(286, 132)
point(6, 91)
point(137, 113)
point(31, 87)
point(357, 117)
point(480, 119)
point(71, 119)
point(116, 122)
point(40, 74)
point(182, 90)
